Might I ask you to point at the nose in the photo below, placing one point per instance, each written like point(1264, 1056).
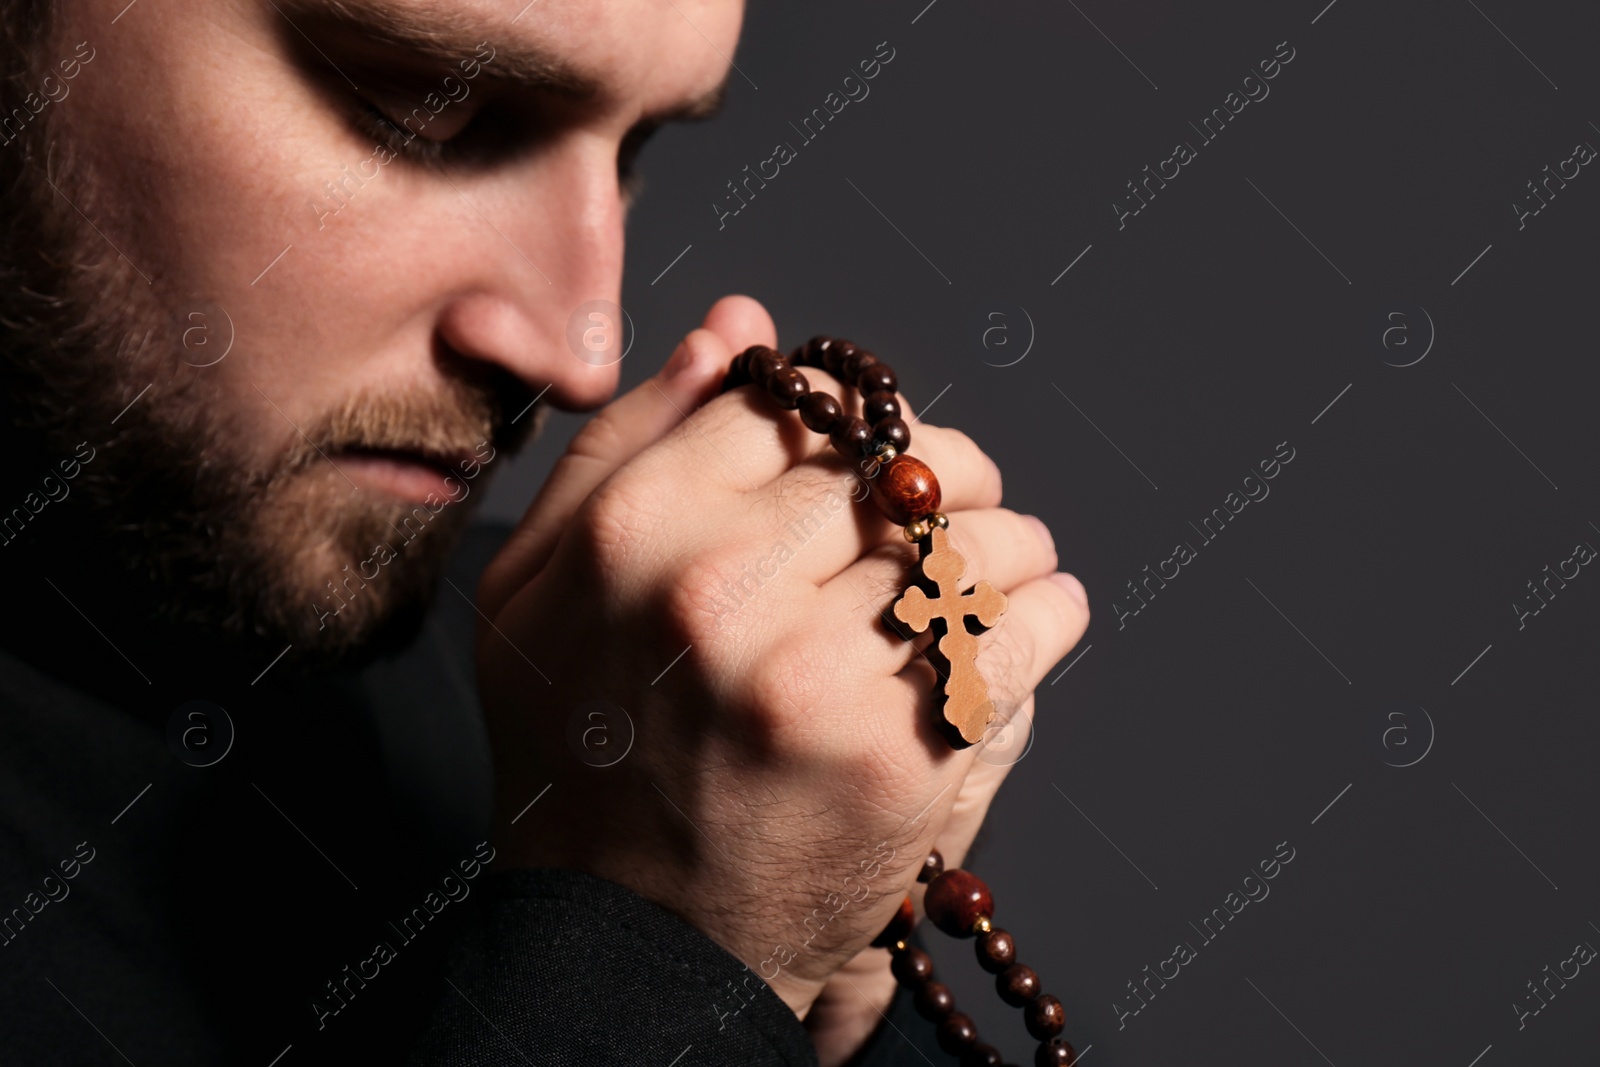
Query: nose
point(545, 259)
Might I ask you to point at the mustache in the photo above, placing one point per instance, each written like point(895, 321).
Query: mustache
point(444, 424)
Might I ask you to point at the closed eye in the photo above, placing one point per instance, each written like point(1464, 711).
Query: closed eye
point(375, 125)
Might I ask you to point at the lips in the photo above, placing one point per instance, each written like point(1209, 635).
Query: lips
point(411, 475)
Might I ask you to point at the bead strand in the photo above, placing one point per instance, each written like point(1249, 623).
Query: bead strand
point(903, 487)
point(907, 493)
point(955, 1031)
point(960, 904)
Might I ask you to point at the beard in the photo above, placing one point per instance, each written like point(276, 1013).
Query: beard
point(170, 529)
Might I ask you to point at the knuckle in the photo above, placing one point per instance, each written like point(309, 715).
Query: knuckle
point(789, 683)
point(700, 599)
point(600, 438)
point(618, 522)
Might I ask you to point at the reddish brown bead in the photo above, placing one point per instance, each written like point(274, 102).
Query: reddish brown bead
point(818, 410)
point(1055, 1053)
point(876, 378)
point(933, 1001)
point(851, 366)
point(956, 899)
point(738, 373)
point(932, 867)
point(892, 431)
point(899, 927)
point(879, 406)
point(850, 436)
point(813, 350)
point(833, 358)
point(1044, 1017)
point(957, 1033)
point(911, 967)
point(763, 362)
point(905, 489)
point(982, 1055)
point(996, 951)
point(1017, 984)
point(787, 385)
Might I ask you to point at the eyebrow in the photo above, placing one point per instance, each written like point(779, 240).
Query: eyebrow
point(447, 36)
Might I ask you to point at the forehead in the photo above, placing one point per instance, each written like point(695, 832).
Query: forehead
point(656, 55)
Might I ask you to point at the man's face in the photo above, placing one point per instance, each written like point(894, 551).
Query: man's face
point(393, 208)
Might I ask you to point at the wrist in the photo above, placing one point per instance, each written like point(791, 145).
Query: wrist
point(851, 1008)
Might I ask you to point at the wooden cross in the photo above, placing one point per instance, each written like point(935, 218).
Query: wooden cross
point(967, 705)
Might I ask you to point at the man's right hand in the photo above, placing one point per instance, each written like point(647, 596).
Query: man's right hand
point(705, 563)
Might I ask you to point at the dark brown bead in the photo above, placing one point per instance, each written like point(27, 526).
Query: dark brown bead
point(850, 436)
point(997, 950)
point(876, 378)
point(905, 489)
point(764, 362)
point(911, 967)
point(1044, 1017)
point(982, 1055)
point(787, 385)
point(933, 1001)
point(899, 927)
point(852, 365)
point(1055, 1053)
point(1017, 984)
point(932, 867)
point(957, 1033)
point(814, 349)
point(833, 359)
point(892, 431)
point(879, 406)
point(818, 410)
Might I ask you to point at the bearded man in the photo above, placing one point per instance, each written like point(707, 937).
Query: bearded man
point(286, 281)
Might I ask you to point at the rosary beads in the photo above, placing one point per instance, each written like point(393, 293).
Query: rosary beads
point(959, 904)
point(907, 493)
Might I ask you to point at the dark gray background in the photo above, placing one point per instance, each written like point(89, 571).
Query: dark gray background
point(1257, 687)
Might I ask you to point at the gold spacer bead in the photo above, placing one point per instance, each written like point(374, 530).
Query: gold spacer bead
point(982, 926)
point(940, 520)
point(900, 946)
point(917, 530)
point(883, 452)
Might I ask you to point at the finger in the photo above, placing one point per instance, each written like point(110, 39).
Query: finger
point(822, 507)
point(999, 546)
point(619, 432)
point(741, 321)
point(1045, 618)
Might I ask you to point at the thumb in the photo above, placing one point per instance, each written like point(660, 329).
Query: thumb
point(620, 431)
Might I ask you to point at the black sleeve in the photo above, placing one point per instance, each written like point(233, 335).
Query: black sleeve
point(559, 968)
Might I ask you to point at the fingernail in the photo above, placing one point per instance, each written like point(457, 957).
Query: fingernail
point(1073, 587)
point(682, 359)
point(1043, 531)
